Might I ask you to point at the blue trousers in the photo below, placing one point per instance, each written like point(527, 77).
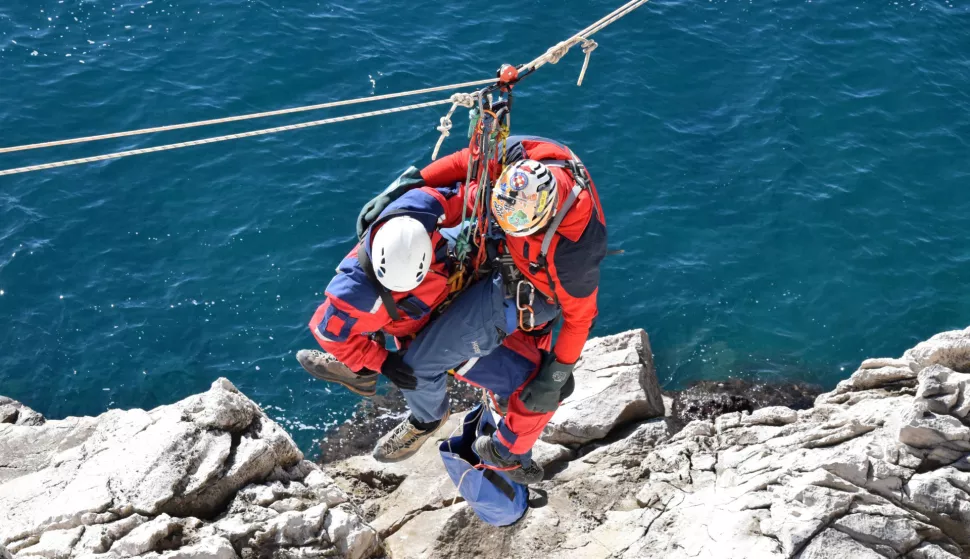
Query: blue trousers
point(472, 327)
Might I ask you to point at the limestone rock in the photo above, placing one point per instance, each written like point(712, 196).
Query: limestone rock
point(146, 537)
point(419, 538)
point(615, 384)
point(832, 544)
point(545, 454)
point(354, 538)
point(98, 538)
point(930, 551)
point(199, 479)
point(775, 415)
point(14, 413)
point(208, 548)
point(293, 528)
point(54, 544)
point(950, 349)
point(877, 469)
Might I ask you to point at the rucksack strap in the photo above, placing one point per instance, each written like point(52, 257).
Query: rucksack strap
point(386, 297)
point(582, 182)
point(557, 221)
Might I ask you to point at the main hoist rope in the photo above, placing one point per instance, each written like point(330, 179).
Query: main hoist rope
point(225, 138)
point(247, 117)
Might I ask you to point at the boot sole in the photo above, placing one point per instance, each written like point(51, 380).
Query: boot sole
point(368, 390)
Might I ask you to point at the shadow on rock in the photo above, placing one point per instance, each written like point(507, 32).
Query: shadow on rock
point(376, 416)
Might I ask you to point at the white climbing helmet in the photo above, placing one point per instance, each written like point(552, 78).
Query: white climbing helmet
point(524, 198)
point(401, 253)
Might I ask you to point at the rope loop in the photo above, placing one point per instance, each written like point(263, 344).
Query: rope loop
point(444, 125)
point(589, 46)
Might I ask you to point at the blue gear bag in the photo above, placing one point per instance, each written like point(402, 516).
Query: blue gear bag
point(495, 498)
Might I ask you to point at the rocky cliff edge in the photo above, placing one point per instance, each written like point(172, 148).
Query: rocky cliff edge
point(879, 467)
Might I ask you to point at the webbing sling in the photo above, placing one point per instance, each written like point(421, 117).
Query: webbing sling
point(386, 296)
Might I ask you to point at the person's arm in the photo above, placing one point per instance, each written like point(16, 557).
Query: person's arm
point(578, 315)
point(447, 170)
point(454, 169)
point(340, 329)
point(433, 207)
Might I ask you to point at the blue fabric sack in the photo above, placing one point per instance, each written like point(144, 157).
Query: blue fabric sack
point(495, 498)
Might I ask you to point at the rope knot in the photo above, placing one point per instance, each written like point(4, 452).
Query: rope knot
point(445, 126)
point(556, 53)
point(466, 100)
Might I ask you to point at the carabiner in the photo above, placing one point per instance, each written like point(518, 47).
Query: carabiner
point(526, 307)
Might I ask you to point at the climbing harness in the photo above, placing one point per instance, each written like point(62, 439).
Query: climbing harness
point(508, 77)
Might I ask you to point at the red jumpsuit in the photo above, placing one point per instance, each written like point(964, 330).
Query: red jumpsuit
point(353, 310)
point(575, 253)
point(570, 279)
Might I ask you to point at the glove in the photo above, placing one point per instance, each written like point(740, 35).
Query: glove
point(543, 393)
point(372, 210)
point(398, 372)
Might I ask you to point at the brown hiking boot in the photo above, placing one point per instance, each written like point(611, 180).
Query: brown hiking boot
point(324, 366)
point(404, 441)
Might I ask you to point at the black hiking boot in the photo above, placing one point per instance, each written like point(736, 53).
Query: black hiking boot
point(324, 366)
point(484, 447)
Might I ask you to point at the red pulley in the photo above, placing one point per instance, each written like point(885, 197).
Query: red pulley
point(508, 74)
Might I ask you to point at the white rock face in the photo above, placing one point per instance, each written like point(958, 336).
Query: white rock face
point(12, 411)
point(208, 477)
point(615, 384)
point(879, 468)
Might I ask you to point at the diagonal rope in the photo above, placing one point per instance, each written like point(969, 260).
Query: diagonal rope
point(246, 117)
point(228, 137)
point(552, 55)
point(556, 52)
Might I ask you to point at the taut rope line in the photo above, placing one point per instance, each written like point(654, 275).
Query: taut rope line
point(247, 117)
point(552, 56)
point(263, 132)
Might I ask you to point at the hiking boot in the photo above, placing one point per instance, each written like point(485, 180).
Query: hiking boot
point(324, 366)
point(404, 441)
point(484, 447)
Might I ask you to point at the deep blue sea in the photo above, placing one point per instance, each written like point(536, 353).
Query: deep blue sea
point(789, 180)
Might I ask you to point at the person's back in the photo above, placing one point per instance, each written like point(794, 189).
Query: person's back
point(388, 284)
